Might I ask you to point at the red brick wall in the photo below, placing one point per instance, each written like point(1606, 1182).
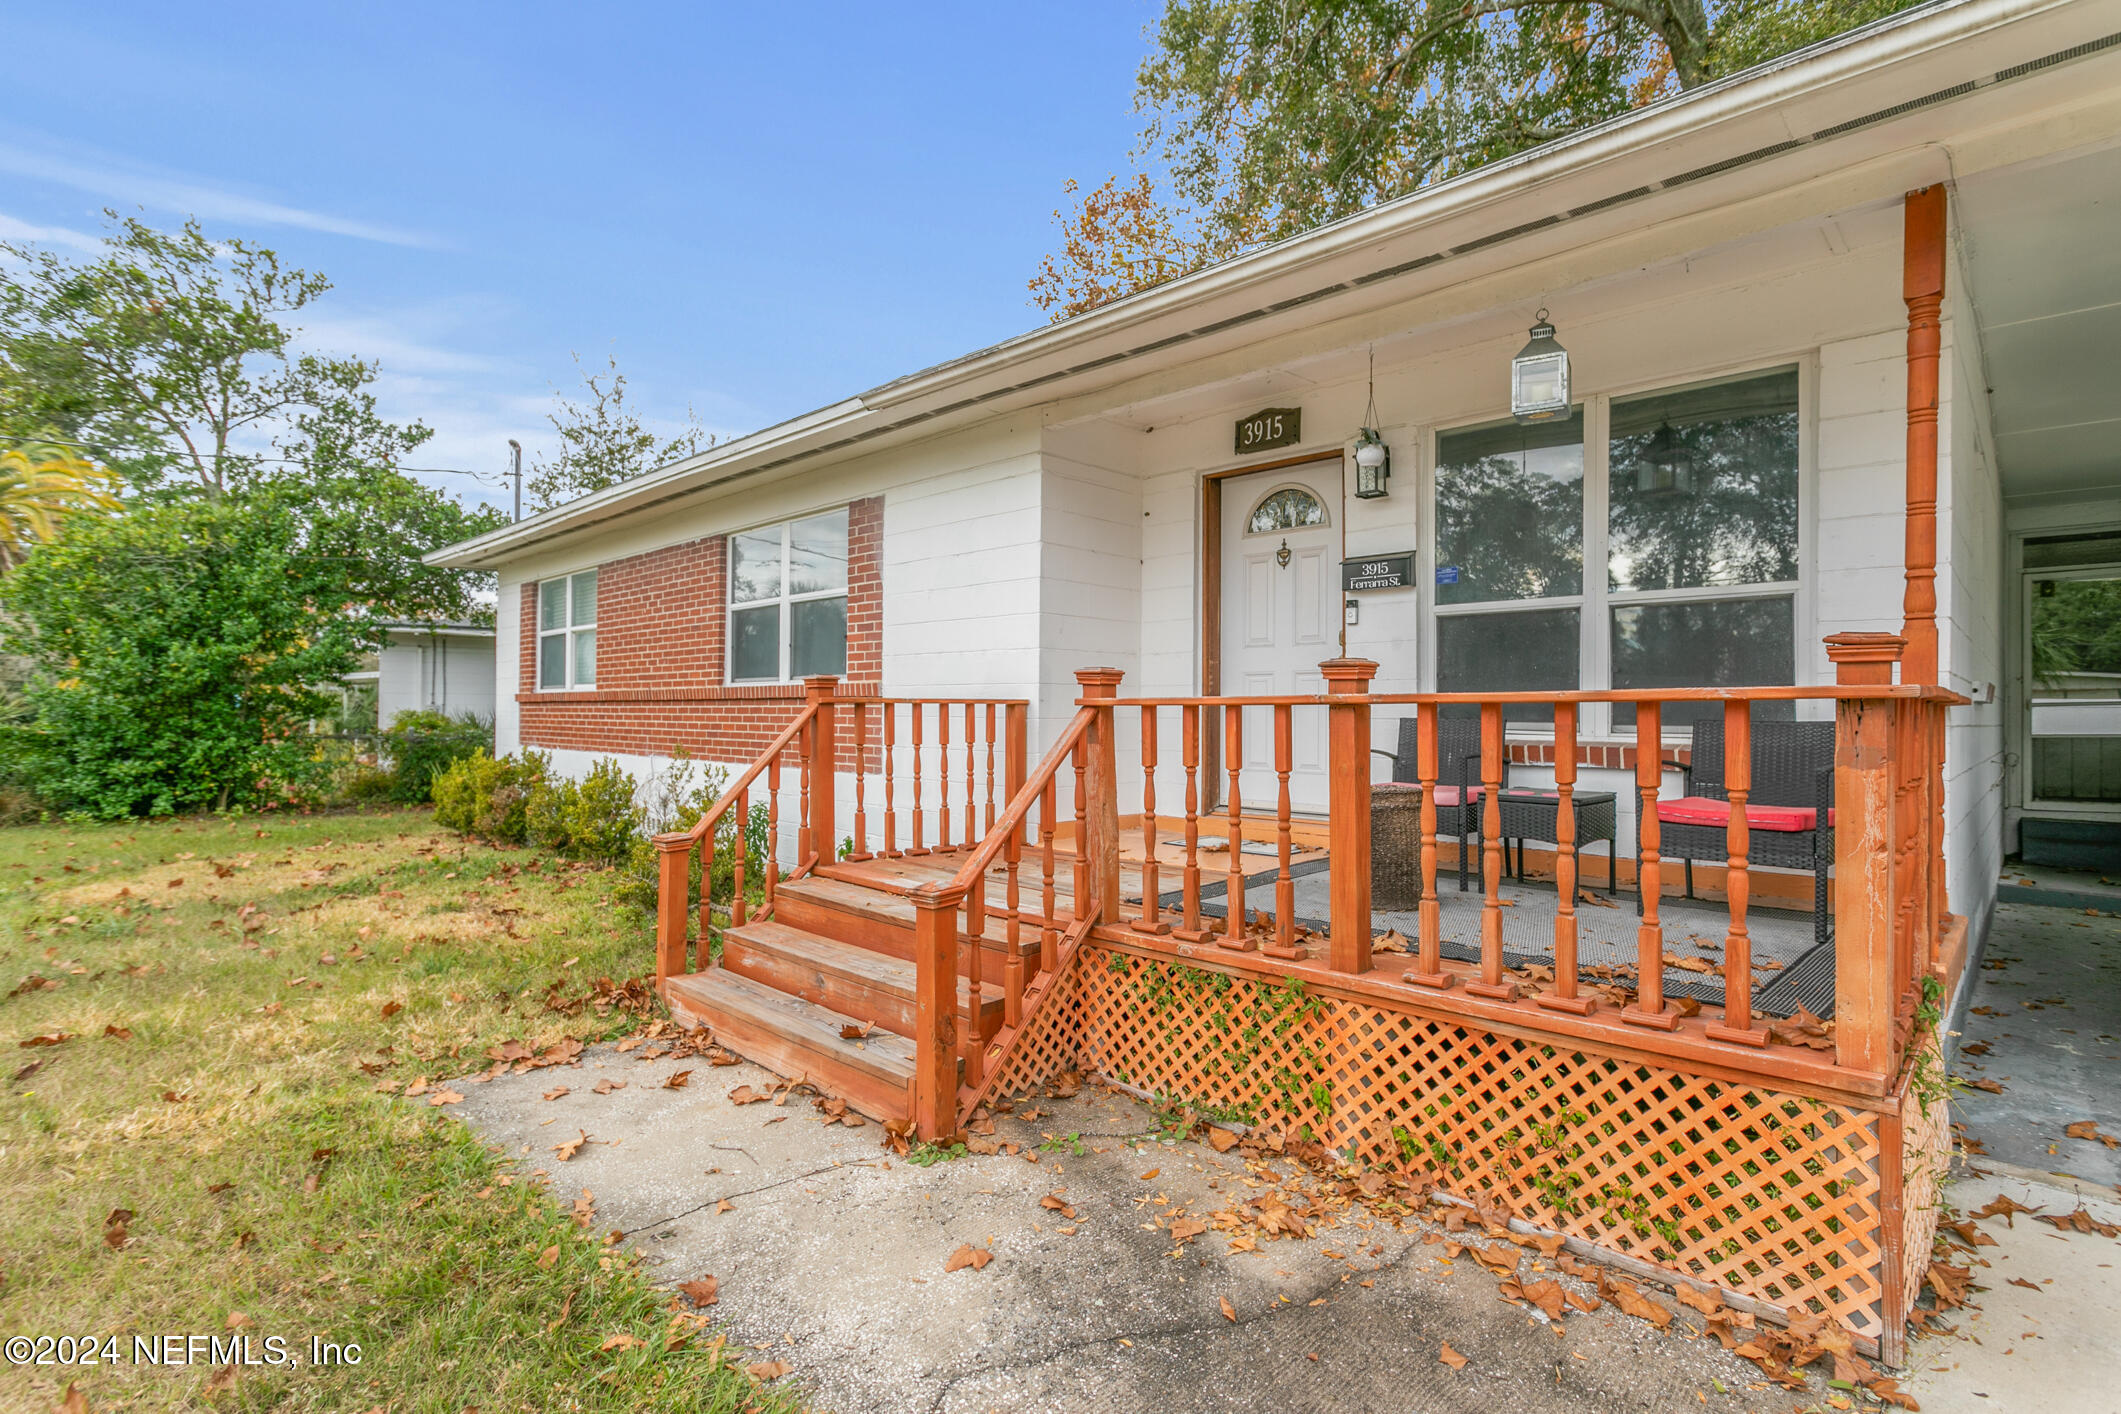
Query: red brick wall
point(662, 623)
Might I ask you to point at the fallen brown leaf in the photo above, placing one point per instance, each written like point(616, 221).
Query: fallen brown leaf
point(968, 1256)
point(1451, 1357)
point(703, 1292)
point(568, 1148)
point(548, 1257)
point(1229, 1311)
point(677, 1079)
point(763, 1370)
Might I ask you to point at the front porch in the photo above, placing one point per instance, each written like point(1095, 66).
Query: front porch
point(1760, 1112)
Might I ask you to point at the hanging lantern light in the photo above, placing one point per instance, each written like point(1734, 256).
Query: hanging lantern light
point(1373, 459)
point(1539, 377)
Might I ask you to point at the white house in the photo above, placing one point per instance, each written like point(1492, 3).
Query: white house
point(1166, 486)
point(431, 667)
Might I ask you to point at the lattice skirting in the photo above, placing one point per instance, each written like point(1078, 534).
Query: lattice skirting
point(1778, 1198)
point(1926, 1158)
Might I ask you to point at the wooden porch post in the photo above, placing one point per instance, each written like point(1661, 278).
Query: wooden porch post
point(1922, 288)
point(1348, 777)
point(935, 1010)
point(1101, 822)
point(1865, 909)
point(824, 781)
point(673, 857)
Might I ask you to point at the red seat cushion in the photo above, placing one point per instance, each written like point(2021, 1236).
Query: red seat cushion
point(1704, 810)
point(1450, 795)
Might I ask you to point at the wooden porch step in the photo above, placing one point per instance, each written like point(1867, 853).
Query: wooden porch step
point(799, 1039)
point(864, 984)
point(883, 922)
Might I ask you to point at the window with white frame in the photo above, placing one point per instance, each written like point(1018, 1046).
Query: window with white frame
point(1690, 497)
point(567, 632)
point(788, 599)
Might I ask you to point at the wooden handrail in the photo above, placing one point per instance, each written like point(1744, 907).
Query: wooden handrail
point(1822, 693)
point(736, 788)
point(982, 858)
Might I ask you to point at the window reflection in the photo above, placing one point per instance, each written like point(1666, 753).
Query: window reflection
point(1509, 512)
point(1704, 486)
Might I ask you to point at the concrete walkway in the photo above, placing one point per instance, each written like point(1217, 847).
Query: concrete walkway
point(2044, 1025)
point(831, 1256)
point(2050, 1346)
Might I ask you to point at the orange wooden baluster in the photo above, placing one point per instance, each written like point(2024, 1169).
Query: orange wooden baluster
point(736, 902)
point(1649, 1008)
point(942, 783)
point(970, 1048)
point(1428, 966)
point(1189, 928)
point(1284, 944)
point(773, 825)
point(1013, 959)
point(1151, 920)
point(802, 790)
point(918, 846)
point(1737, 1024)
point(971, 772)
point(1234, 889)
point(861, 774)
point(1491, 983)
point(1079, 886)
point(890, 766)
point(1564, 996)
point(706, 889)
point(1049, 937)
point(990, 771)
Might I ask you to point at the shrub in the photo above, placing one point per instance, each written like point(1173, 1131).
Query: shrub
point(677, 798)
point(479, 795)
point(597, 818)
point(421, 745)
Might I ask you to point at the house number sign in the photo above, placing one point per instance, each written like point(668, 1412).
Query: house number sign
point(1269, 428)
point(1377, 572)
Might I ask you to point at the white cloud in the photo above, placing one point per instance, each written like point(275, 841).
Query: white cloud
point(192, 198)
point(13, 230)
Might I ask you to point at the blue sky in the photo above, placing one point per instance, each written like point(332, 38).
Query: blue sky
point(756, 209)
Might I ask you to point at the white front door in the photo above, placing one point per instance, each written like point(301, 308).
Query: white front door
point(1281, 619)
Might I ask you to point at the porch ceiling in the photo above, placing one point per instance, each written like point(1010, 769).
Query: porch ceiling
point(2043, 269)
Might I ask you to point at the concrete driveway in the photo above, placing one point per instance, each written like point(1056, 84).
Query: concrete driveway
point(830, 1254)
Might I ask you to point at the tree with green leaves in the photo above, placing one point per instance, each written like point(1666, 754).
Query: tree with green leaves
point(171, 357)
point(603, 442)
point(183, 648)
point(1276, 116)
point(180, 644)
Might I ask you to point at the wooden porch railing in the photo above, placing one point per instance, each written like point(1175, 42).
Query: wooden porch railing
point(1887, 891)
point(949, 777)
point(677, 849)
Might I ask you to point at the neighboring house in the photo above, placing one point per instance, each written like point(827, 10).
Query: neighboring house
point(1748, 280)
point(430, 667)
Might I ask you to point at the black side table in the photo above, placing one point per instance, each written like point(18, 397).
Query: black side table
point(1536, 815)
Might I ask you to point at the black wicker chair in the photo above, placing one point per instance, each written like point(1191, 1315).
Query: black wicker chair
point(1789, 810)
point(1458, 787)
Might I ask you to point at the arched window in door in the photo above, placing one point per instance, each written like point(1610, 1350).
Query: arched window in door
point(1285, 508)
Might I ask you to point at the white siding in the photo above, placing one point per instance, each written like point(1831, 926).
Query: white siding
point(1971, 600)
point(450, 673)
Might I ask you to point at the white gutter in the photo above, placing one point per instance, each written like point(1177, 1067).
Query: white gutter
point(1497, 191)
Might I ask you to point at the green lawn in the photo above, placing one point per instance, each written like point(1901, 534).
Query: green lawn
point(223, 987)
